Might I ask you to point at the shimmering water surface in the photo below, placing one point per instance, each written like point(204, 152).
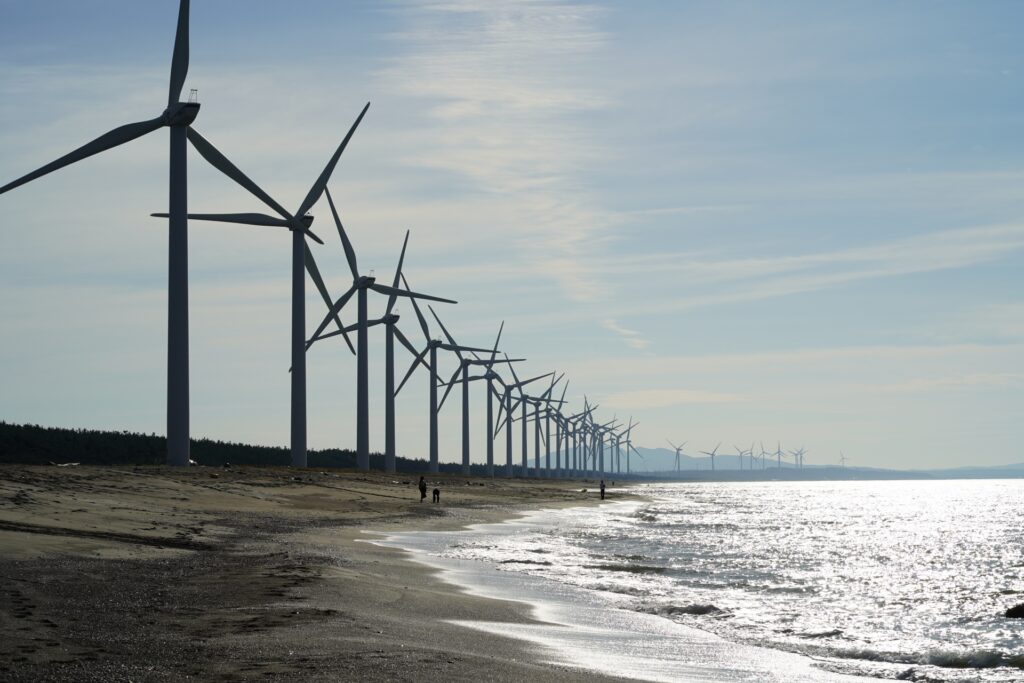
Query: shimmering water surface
point(905, 580)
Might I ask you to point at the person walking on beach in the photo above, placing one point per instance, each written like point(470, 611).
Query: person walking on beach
point(423, 489)
point(602, 489)
point(437, 496)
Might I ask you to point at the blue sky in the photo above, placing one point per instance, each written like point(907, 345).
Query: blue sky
point(735, 221)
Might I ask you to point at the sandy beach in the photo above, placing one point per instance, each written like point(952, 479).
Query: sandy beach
point(149, 573)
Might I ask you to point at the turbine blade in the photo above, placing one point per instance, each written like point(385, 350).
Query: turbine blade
point(350, 253)
point(321, 182)
point(448, 389)
point(393, 291)
point(318, 280)
point(242, 218)
point(116, 137)
point(217, 159)
point(349, 328)
point(419, 313)
point(405, 342)
point(335, 308)
point(532, 379)
point(494, 353)
point(398, 274)
point(179, 61)
point(416, 361)
point(309, 233)
point(518, 384)
point(455, 346)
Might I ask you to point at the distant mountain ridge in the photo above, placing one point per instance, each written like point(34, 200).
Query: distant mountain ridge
point(660, 462)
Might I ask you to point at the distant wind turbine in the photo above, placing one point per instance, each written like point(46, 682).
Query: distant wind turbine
point(508, 409)
point(712, 454)
point(679, 449)
point(740, 453)
point(431, 348)
point(361, 285)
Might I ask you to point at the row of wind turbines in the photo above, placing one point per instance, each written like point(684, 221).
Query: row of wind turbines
point(581, 442)
point(752, 460)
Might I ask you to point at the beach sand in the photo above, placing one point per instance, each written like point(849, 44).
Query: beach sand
point(151, 573)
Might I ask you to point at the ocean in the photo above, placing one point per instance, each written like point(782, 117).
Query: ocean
point(898, 580)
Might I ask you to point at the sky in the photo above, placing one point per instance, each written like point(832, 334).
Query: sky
point(736, 222)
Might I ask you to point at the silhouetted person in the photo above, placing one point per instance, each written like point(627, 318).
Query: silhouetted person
point(437, 495)
point(602, 489)
point(423, 489)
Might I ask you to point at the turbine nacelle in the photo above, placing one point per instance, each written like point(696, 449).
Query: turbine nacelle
point(180, 114)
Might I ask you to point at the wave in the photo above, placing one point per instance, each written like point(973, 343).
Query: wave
point(531, 562)
point(631, 568)
point(939, 658)
point(695, 609)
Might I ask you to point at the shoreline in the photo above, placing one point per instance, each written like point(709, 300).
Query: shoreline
point(148, 573)
point(596, 631)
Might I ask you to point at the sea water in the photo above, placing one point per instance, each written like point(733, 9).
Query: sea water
point(902, 580)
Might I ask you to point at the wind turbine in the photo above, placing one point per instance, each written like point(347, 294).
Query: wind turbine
point(361, 285)
point(574, 428)
point(489, 376)
point(740, 453)
point(798, 457)
point(302, 261)
point(391, 332)
point(602, 431)
point(629, 444)
point(679, 449)
point(712, 454)
point(431, 348)
point(507, 407)
point(537, 402)
point(177, 116)
point(463, 368)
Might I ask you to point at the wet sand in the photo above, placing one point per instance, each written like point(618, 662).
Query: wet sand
point(155, 574)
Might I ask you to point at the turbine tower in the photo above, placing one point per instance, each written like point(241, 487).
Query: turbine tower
point(177, 116)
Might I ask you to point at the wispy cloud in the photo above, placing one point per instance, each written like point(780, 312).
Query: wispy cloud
point(631, 337)
point(717, 280)
point(663, 398)
point(504, 87)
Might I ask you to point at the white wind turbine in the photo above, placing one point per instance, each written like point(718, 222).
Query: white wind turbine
point(712, 454)
point(177, 116)
point(361, 285)
point(431, 348)
point(302, 261)
point(506, 407)
point(679, 450)
point(489, 377)
point(740, 453)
